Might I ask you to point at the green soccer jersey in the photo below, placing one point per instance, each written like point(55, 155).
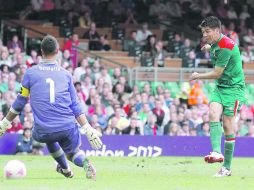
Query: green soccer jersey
point(225, 53)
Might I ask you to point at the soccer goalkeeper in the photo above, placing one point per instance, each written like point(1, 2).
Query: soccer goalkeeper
point(229, 93)
point(56, 109)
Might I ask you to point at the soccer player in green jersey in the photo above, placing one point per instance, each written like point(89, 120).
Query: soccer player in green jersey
point(229, 92)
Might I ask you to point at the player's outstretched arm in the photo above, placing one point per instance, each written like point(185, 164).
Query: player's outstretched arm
point(16, 108)
point(6, 122)
point(92, 134)
point(215, 74)
point(4, 125)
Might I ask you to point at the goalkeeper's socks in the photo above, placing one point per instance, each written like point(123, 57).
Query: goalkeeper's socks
point(86, 164)
point(229, 147)
point(215, 136)
point(79, 158)
point(58, 154)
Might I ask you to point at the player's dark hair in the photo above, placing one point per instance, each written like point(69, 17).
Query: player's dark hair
point(49, 45)
point(211, 22)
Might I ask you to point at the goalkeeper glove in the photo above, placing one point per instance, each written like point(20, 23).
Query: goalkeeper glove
point(4, 125)
point(92, 135)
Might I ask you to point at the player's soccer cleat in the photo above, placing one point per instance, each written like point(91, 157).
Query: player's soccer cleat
point(214, 157)
point(223, 172)
point(60, 170)
point(90, 170)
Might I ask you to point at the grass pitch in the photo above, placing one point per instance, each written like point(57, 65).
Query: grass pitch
point(115, 173)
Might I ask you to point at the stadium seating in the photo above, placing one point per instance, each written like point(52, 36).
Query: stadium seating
point(173, 87)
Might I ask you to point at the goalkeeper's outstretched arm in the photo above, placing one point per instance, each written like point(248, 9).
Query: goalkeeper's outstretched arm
point(15, 109)
point(18, 104)
point(92, 134)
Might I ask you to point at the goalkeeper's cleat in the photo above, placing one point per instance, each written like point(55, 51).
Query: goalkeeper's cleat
point(223, 172)
point(214, 157)
point(68, 174)
point(90, 170)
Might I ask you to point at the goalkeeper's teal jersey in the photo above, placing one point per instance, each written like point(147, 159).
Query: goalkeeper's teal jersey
point(225, 53)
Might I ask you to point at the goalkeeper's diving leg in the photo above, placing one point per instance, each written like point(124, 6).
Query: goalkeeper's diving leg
point(58, 154)
point(71, 145)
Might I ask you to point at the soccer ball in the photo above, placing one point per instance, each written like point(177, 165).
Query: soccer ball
point(14, 169)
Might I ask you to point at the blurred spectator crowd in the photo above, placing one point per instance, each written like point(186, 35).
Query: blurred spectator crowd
point(112, 105)
point(236, 16)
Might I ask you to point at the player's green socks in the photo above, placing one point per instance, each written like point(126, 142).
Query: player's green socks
point(215, 136)
point(229, 150)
